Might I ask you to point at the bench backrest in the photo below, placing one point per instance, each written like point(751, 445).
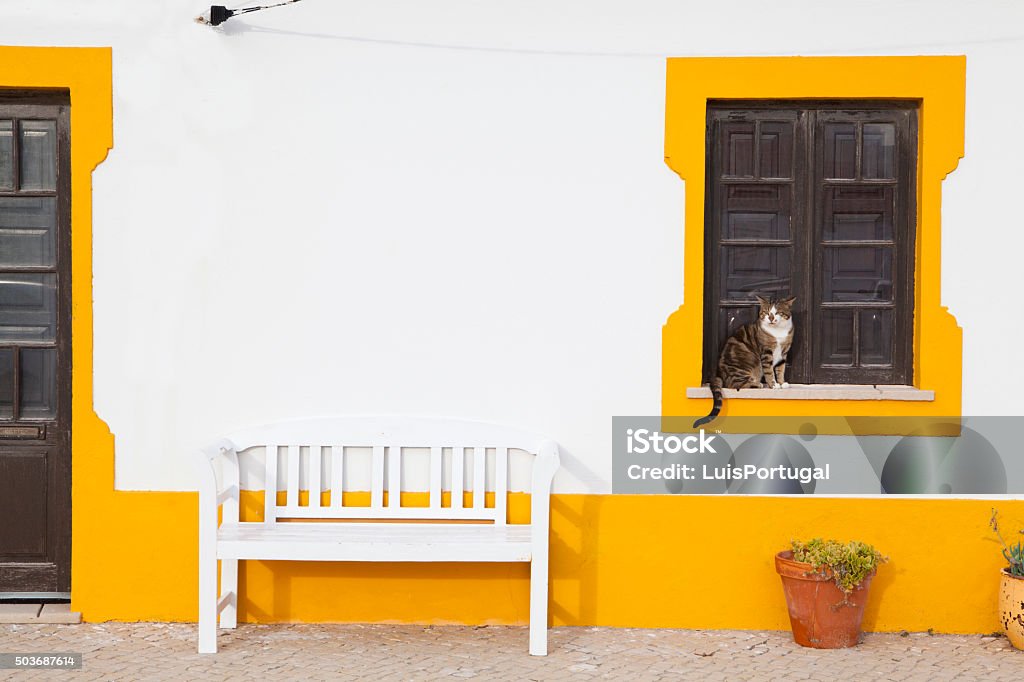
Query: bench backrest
point(314, 439)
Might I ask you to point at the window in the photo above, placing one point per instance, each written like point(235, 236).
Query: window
point(816, 200)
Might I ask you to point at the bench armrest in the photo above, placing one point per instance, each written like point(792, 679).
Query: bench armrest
point(544, 468)
point(212, 496)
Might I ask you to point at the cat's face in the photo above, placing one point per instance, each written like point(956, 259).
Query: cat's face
point(776, 312)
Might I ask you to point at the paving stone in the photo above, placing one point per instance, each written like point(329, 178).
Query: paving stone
point(19, 613)
point(19, 609)
point(134, 651)
point(59, 613)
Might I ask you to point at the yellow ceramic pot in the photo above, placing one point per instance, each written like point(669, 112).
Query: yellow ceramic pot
point(1011, 608)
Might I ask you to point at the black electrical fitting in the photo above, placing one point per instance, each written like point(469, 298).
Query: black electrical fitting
point(219, 14)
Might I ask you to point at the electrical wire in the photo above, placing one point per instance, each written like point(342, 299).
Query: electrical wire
point(247, 10)
point(218, 14)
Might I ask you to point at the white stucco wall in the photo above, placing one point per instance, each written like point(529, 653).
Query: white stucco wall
point(453, 208)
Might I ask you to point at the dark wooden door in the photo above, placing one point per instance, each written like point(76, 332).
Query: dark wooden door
point(35, 343)
point(816, 200)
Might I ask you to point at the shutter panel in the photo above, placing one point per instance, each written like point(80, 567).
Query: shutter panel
point(863, 247)
point(815, 201)
point(755, 220)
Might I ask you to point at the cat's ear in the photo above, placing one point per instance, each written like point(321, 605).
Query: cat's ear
point(788, 302)
point(765, 303)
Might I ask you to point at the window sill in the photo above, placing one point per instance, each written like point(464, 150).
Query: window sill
point(820, 392)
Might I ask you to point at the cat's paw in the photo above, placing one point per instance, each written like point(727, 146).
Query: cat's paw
point(776, 385)
point(785, 384)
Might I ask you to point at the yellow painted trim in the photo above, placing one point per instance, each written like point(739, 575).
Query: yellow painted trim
point(938, 82)
point(655, 561)
point(702, 562)
point(115, 535)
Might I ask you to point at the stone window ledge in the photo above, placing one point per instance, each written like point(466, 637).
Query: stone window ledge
point(819, 392)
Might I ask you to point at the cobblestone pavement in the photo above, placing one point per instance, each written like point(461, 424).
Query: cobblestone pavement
point(159, 651)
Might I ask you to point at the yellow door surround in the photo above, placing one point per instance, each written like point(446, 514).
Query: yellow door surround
point(938, 84)
point(110, 529)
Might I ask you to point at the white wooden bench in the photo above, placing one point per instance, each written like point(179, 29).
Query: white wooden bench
point(434, 533)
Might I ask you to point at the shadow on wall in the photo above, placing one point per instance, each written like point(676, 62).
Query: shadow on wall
point(382, 593)
point(880, 584)
point(574, 566)
point(358, 592)
point(453, 593)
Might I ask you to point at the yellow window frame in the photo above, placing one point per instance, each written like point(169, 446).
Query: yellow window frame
point(937, 82)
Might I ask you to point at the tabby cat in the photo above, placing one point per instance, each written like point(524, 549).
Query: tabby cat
point(756, 351)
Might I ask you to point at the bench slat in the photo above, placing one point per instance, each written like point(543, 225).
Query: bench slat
point(458, 471)
point(315, 478)
point(377, 480)
point(337, 475)
point(479, 478)
point(270, 490)
point(376, 532)
point(436, 476)
point(500, 485)
point(374, 542)
point(394, 476)
point(414, 552)
point(350, 512)
point(292, 453)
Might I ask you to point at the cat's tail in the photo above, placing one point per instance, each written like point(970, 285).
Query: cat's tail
point(716, 392)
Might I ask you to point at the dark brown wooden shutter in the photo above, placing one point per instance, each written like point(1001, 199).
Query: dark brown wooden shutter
point(816, 202)
point(756, 226)
point(863, 255)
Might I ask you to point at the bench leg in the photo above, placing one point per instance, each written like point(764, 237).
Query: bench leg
point(539, 606)
point(207, 601)
point(229, 586)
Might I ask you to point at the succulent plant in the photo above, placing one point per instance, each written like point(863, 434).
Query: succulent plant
point(847, 563)
point(1014, 554)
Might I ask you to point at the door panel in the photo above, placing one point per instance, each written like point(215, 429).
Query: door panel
point(35, 344)
point(24, 468)
point(6, 384)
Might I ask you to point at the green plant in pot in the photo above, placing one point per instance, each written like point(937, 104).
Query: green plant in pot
point(1011, 587)
point(826, 584)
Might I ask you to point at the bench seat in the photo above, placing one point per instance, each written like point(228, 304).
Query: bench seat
point(374, 542)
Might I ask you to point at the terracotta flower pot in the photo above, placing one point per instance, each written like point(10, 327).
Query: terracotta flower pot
point(821, 615)
point(1011, 607)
